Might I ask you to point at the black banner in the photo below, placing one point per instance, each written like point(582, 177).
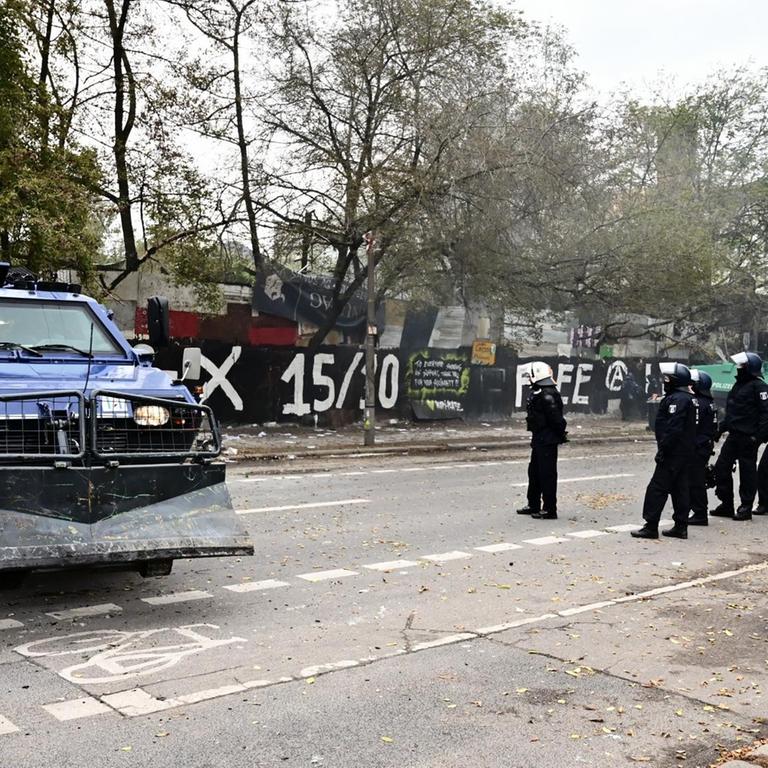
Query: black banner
point(304, 298)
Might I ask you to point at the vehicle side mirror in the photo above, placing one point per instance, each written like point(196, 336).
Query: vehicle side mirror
point(191, 363)
point(158, 322)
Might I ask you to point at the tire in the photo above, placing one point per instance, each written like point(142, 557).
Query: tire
point(12, 579)
point(151, 568)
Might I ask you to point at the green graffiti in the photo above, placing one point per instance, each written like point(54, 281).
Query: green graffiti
point(429, 377)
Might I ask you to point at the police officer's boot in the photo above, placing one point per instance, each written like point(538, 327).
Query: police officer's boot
point(722, 510)
point(762, 509)
point(647, 532)
point(544, 515)
point(526, 510)
point(698, 520)
point(744, 512)
point(676, 532)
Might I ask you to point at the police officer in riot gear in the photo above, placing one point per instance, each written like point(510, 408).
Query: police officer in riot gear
point(676, 441)
point(746, 422)
point(547, 426)
point(706, 430)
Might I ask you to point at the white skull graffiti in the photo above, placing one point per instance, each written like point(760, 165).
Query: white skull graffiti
point(273, 288)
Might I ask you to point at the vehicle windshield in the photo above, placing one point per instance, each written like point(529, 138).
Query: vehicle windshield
point(43, 323)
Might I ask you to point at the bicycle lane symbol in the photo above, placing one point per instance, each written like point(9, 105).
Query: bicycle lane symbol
point(121, 655)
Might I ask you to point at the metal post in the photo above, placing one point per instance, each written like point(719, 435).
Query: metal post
point(369, 423)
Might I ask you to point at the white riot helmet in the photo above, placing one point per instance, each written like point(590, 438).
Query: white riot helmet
point(541, 373)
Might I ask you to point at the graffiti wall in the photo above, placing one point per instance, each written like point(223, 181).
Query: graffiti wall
point(257, 385)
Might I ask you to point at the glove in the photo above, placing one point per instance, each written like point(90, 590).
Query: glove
point(564, 438)
point(659, 458)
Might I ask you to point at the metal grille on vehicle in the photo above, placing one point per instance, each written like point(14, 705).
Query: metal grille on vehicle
point(42, 424)
point(130, 426)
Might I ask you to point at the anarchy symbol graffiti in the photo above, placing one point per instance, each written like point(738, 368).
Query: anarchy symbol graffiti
point(614, 378)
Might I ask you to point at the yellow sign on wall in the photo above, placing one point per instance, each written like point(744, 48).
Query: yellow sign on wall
point(483, 352)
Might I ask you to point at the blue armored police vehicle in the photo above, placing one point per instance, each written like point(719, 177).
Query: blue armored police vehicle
point(104, 459)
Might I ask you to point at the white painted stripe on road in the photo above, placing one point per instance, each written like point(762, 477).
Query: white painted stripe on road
point(595, 477)
point(86, 610)
point(444, 557)
point(138, 702)
point(211, 693)
point(586, 534)
point(544, 541)
point(623, 528)
point(319, 669)
point(6, 726)
point(383, 471)
point(339, 573)
point(10, 624)
point(586, 608)
point(502, 546)
point(391, 565)
point(74, 709)
point(256, 683)
point(413, 469)
point(449, 640)
point(514, 624)
point(352, 474)
point(256, 586)
point(177, 597)
point(341, 502)
point(250, 479)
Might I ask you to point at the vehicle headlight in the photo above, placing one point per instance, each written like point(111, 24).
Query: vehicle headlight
point(151, 415)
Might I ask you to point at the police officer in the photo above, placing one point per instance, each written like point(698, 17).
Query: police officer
point(547, 426)
point(762, 485)
point(706, 430)
point(746, 422)
point(676, 440)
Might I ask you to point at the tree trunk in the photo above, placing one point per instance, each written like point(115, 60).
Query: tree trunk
point(242, 144)
point(124, 116)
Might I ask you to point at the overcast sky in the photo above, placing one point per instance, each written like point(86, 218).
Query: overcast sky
point(631, 41)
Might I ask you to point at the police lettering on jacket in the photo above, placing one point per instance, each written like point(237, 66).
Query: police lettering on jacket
point(545, 415)
point(676, 425)
point(746, 410)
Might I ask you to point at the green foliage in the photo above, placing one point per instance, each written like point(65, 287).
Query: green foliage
point(46, 208)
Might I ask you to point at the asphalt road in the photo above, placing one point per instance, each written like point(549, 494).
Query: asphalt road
point(399, 613)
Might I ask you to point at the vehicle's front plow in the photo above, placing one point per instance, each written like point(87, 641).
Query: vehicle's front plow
point(137, 514)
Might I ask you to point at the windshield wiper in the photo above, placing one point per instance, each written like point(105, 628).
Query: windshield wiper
point(14, 345)
point(62, 347)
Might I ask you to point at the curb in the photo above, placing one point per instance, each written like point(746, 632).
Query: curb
point(406, 449)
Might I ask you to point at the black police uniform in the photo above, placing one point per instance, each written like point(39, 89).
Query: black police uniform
point(547, 426)
point(676, 440)
point(706, 431)
point(746, 422)
point(762, 484)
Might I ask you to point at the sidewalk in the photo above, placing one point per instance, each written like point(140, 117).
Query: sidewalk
point(292, 441)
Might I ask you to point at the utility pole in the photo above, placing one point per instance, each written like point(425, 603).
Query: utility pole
point(369, 424)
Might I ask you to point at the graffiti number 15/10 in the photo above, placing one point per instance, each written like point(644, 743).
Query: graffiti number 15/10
point(325, 374)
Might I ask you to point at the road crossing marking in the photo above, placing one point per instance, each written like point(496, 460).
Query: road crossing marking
point(6, 726)
point(444, 557)
point(502, 546)
point(338, 573)
point(255, 586)
point(85, 611)
point(138, 702)
point(313, 505)
point(391, 565)
point(544, 541)
point(177, 597)
point(586, 534)
point(623, 528)
point(74, 709)
point(10, 624)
